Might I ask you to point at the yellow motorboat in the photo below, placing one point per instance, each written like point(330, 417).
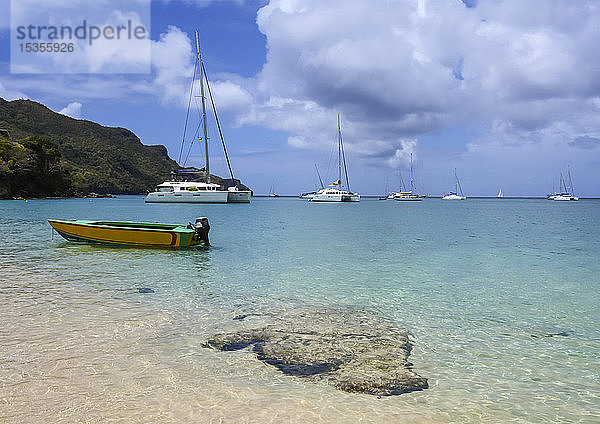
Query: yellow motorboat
point(134, 233)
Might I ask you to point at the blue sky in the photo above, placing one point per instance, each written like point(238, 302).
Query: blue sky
point(506, 91)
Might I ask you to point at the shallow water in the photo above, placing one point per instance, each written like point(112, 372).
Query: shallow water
point(500, 297)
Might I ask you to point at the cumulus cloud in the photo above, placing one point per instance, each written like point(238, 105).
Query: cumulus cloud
point(205, 3)
point(73, 110)
point(99, 43)
point(230, 96)
point(585, 142)
point(173, 65)
point(399, 70)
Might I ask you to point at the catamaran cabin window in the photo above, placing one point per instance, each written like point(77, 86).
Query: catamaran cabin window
point(165, 189)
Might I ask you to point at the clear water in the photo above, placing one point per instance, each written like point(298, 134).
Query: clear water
point(501, 296)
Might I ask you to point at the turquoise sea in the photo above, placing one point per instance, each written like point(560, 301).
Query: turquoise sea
point(501, 297)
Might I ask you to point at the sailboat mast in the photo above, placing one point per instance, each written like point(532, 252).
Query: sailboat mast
point(561, 184)
point(571, 191)
point(339, 154)
point(205, 133)
point(455, 181)
point(411, 176)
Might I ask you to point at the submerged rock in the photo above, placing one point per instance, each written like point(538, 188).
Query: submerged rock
point(352, 352)
point(145, 290)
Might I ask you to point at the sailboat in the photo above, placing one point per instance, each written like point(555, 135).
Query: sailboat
point(457, 194)
point(183, 186)
point(272, 192)
point(565, 192)
point(408, 195)
point(500, 194)
point(335, 193)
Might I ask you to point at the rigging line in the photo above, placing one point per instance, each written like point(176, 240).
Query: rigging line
point(187, 114)
point(319, 175)
point(194, 137)
point(212, 101)
point(345, 169)
point(188, 153)
point(458, 183)
point(329, 162)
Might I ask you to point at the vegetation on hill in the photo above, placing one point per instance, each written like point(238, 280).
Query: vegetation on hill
point(32, 167)
point(52, 153)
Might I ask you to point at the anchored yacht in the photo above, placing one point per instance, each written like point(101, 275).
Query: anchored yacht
point(458, 193)
point(565, 192)
point(335, 193)
point(408, 196)
point(184, 186)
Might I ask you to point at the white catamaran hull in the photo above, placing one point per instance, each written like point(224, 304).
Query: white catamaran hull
point(454, 197)
point(561, 198)
point(408, 199)
point(238, 196)
point(335, 198)
point(188, 197)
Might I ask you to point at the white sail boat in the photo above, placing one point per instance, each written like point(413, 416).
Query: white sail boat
point(180, 189)
point(565, 192)
point(408, 195)
point(272, 192)
point(458, 193)
point(500, 194)
point(335, 193)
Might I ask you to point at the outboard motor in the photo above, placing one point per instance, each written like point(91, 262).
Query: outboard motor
point(202, 228)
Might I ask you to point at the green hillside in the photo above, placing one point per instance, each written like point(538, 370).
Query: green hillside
point(88, 158)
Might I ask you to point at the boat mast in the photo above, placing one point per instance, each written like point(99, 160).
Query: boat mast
point(455, 181)
point(205, 134)
point(571, 191)
point(561, 184)
point(339, 154)
point(411, 176)
point(458, 187)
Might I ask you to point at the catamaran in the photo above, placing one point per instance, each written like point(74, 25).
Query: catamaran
point(408, 195)
point(565, 192)
point(180, 189)
point(335, 192)
point(454, 195)
point(500, 194)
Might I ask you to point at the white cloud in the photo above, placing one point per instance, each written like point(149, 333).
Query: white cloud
point(105, 36)
point(205, 3)
point(173, 64)
point(398, 70)
point(230, 95)
point(8, 94)
point(73, 110)
point(402, 156)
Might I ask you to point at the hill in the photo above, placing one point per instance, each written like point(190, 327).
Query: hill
point(93, 158)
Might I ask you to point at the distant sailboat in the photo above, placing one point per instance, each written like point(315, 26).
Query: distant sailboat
point(272, 192)
point(408, 195)
point(500, 194)
point(335, 193)
point(454, 195)
point(565, 192)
